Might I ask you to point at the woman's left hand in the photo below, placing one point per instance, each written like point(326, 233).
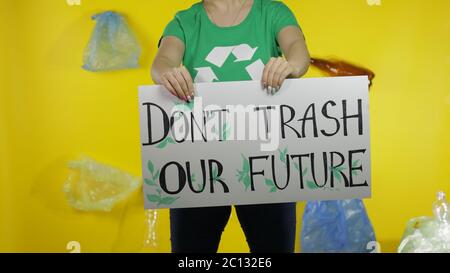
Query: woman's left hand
point(275, 72)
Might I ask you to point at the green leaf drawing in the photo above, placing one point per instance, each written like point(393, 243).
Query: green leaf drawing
point(167, 200)
point(354, 165)
point(311, 184)
point(153, 198)
point(243, 175)
point(271, 184)
point(162, 144)
point(157, 198)
point(170, 140)
point(149, 182)
point(156, 175)
point(336, 171)
point(282, 155)
point(304, 172)
point(150, 166)
point(239, 175)
point(214, 173)
point(199, 187)
point(245, 164)
point(185, 105)
point(225, 131)
point(246, 182)
point(337, 175)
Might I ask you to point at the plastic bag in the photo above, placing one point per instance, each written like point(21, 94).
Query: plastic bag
point(336, 226)
point(151, 218)
point(93, 186)
point(342, 68)
point(429, 234)
point(112, 45)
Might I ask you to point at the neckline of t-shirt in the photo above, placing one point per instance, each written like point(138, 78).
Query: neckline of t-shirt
point(246, 19)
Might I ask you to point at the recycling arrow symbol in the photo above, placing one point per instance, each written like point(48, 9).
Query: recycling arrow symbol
point(205, 74)
point(218, 56)
point(243, 52)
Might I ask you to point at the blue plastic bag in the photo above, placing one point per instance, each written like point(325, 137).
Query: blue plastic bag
point(336, 227)
point(112, 45)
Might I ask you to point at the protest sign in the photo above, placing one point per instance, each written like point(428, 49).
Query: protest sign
point(237, 144)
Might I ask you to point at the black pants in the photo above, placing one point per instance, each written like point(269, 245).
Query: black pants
point(269, 228)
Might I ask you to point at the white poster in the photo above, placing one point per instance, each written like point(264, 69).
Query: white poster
point(237, 144)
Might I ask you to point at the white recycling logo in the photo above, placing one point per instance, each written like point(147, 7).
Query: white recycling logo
point(219, 54)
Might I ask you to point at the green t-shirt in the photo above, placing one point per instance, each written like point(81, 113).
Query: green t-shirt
point(235, 53)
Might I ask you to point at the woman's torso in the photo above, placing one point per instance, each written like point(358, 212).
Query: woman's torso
point(239, 52)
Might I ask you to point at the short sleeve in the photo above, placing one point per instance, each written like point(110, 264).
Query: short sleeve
point(173, 28)
point(282, 17)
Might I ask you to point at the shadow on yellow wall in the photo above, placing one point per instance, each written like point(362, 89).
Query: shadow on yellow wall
point(52, 111)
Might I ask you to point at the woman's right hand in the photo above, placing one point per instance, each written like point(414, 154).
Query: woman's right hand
point(179, 82)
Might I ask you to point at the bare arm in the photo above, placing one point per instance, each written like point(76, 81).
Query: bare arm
point(293, 46)
point(167, 70)
point(294, 65)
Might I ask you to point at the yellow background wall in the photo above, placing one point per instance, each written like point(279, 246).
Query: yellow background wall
point(52, 111)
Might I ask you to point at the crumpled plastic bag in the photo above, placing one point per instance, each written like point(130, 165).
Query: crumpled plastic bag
point(429, 234)
point(337, 226)
point(112, 45)
point(93, 186)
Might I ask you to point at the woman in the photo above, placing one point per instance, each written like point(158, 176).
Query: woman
point(231, 40)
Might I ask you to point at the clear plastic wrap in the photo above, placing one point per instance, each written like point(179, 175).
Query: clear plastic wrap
point(336, 226)
point(150, 240)
point(429, 234)
point(93, 186)
point(112, 45)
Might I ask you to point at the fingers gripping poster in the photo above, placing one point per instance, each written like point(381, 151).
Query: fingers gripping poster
point(237, 144)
